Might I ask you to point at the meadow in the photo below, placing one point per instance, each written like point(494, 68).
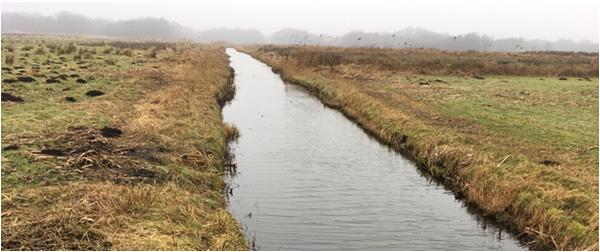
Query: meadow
point(514, 134)
point(115, 145)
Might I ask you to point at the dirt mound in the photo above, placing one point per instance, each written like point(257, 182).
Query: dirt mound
point(9, 81)
point(11, 147)
point(53, 152)
point(52, 80)
point(93, 93)
point(110, 132)
point(549, 162)
point(11, 98)
point(25, 79)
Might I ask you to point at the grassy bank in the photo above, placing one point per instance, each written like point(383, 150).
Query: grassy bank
point(114, 145)
point(516, 134)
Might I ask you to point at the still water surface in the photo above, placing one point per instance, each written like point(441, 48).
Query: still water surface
point(310, 179)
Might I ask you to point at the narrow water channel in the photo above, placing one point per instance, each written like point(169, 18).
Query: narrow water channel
point(310, 179)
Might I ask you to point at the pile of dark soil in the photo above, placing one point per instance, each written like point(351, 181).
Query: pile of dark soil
point(11, 98)
point(11, 147)
point(549, 162)
point(9, 81)
point(93, 93)
point(52, 80)
point(25, 79)
point(111, 132)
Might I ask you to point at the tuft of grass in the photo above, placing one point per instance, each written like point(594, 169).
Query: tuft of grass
point(39, 51)
point(231, 132)
point(153, 53)
point(519, 142)
point(9, 59)
point(27, 48)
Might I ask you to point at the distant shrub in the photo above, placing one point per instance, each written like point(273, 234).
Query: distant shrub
point(153, 53)
point(52, 48)
point(39, 51)
point(69, 49)
point(26, 48)
point(127, 53)
point(9, 59)
point(110, 61)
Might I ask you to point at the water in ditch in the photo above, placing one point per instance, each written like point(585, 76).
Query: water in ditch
point(309, 179)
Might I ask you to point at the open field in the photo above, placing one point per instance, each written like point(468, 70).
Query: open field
point(516, 134)
point(114, 145)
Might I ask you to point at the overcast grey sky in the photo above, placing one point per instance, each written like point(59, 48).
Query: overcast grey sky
point(543, 19)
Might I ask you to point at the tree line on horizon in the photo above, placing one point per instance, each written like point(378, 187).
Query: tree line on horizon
point(66, 23)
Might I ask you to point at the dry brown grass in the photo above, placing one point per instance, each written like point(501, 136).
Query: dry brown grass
point(231, 132)
point(431, 61)
point(157, 186)
point(103, 215)
point(450, 128)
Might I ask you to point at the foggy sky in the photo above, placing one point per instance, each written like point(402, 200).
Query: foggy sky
point(532, 19)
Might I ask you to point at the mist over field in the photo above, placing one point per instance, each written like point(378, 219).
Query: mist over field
point(67, 23)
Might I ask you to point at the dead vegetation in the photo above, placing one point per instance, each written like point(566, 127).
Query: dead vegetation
point(123, 161)
point(90, 155)
point(436, 62)
point(231, 132)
